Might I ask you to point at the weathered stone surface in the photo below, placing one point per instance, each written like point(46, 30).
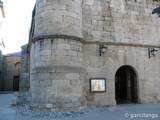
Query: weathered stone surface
point(72, 76)
point(69, 105)
point(49, 105)
point(53, 73)
point(63, 63)
point(64, 14)
point(11, 69)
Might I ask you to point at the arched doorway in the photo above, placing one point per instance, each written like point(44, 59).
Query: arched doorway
point(126, 85)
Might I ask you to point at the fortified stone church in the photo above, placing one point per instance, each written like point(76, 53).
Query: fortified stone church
point(92, 53)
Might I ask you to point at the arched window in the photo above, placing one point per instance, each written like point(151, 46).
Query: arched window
point(18, 66)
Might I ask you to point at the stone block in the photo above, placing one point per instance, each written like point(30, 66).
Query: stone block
point(76, 64)
point(53, 100)
point(98, 27)
point(67, 100)
point(88, 2)
point(72, 76)
point(38, 64)
point(74, 47)
point(76, 82)
point(61, 12)
point(60, 82)
point(51, 90)
point(68, 19)
point(52, 2)
point(147, 100)
point(41, 105)
point(49, 7)
point(108, 28)
point(33, 104)
point(43, 76)
point(63, 46)
point(93, 103)
point(106, 34)
point(48, 105)
point(105, 13)
point(60, 7)
point(77, 90)
point(75, 59)
point(14, 101)
point(65, 2)
point(74, 15)
point(38, 91)
point(53, 110)
point(57, 76)
point(68, 105)
point(51, 62)
point(46, 58)
point(45, 83)
point(80, 54)
point(75, 100)
point(35, 83)
point(107, 103)
point(72, 53)
point(60, 52)
point(96, 33)
point(45, 52)
point(65, 89)
point(76, 104)
point(66, 58)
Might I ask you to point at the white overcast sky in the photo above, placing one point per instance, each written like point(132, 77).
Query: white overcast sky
point(16, 24)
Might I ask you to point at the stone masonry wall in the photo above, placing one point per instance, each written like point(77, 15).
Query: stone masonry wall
point(57, 76)
point(130, 24)
point(58, 17)
point(24, 75)
point(10, 69)
point(134, 23)
point(124, 21)
point(64, 51)
point(56, 73)
point(106, 66)
point(97, 21)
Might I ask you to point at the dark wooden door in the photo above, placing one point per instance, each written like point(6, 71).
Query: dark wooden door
point(126, 85)
point(15, 83)
point(134, 97)
point(121, 86)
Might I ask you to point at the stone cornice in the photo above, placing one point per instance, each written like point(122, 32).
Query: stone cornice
point(122, 44)
point(92, 42)
point(57, 36)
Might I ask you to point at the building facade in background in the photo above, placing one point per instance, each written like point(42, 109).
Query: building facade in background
point(11, 71)
point(92, 52)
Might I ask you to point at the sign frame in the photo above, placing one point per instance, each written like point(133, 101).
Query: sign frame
point(97, 85)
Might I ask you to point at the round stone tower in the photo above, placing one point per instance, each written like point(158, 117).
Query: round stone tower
point(56, 56)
